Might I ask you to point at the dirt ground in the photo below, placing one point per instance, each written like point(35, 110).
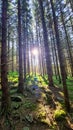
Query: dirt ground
point(35, 111)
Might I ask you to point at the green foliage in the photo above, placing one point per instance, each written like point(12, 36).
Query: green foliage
point(70, 78)
point(29, 105)
point(69, 82)
point(56, 82)
point(42, 114)
point(40, 80)
point(12, 79)
point(13, 91)
point(25, 128)
point(13, 76)
point(29, 80)
point(54, 126)
point(15, 105)
point(59, 115)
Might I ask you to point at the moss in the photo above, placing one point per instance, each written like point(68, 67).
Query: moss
point(59, 115)
point(42, 114)
point(45, 122)
point(29, 105)
point(53, 127)
point(15, 105)
point(44, 96)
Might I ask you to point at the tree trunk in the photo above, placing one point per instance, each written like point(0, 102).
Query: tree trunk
point(8, 44)
point(24, 51)
point(5, 104)
point(20, 86)
point(67, 39)
point(56, 59)
point(46, 45)
point(54, 64)
point(54, 45)
point(12, 55)
point(61, 60)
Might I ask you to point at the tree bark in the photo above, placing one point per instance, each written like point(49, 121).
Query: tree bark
point(20, 86)
point(46, 45)
point(67, 39)
point(24, 51)
point(5, 104)
point(61, 60)
point(12, 55)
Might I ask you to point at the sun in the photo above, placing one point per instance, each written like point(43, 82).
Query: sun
point(35, 51)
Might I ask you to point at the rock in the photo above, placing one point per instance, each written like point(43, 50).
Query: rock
point(60, 99)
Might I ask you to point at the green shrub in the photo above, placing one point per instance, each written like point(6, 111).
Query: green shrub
point(13, 76)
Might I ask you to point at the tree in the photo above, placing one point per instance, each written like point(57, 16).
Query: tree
point(20, 86)
point(67, 39)
point(49, 22)
point(61, 60)
point(46, 45)
point(5, 104)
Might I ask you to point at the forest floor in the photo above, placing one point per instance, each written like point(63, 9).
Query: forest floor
point(39, 108)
